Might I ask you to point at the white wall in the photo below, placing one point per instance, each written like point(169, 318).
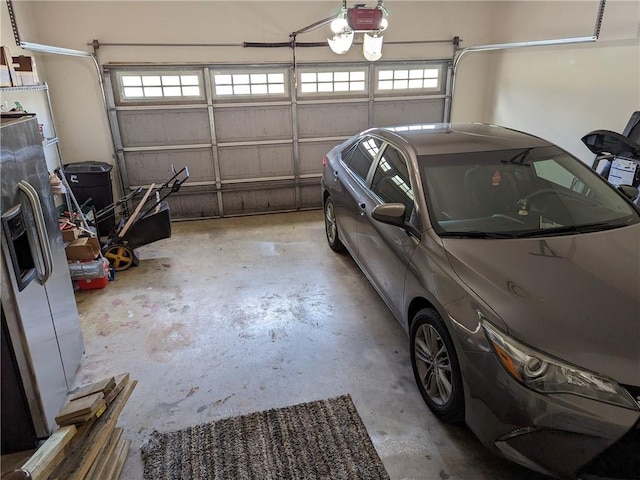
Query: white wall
point(81, 122)
point(561, 93)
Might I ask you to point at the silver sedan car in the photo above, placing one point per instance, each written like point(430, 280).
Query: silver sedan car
point(515, 270)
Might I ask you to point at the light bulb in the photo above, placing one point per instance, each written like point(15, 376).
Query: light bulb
point(339, 25)
point(372, 47)
point(341, 44)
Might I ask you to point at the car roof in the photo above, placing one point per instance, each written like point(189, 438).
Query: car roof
point(443, 138)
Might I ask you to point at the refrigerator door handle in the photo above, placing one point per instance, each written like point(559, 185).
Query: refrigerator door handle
point(41, 228)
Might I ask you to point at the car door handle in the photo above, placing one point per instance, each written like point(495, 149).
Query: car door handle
point(363, 208)
point(335, 175)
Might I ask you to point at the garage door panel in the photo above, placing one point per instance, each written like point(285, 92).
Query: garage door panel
point(169, 127)
point(311, 156)
point(250, 124)
point(257, 132)
point(186, 204)
point(259, 200)
point(155, 166)
point(311, 196)
point(408, 112)
point(332, 119)
point(256, 161)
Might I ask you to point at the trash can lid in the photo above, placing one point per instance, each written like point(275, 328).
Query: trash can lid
point(88, 167)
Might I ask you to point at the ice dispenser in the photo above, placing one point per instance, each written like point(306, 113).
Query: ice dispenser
point(15, 232)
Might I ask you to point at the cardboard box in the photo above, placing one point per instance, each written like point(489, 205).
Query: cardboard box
point(69, 231)
point(25, 68)
point(85, 248)
point(70, 234)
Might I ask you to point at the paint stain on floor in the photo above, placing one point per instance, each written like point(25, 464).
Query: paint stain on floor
point(165, 340)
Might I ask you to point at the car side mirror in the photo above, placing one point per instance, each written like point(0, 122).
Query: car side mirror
point(390, 213)
point(629, 191)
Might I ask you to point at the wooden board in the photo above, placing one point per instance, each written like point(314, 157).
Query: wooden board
point(106, 458)
point(118, 465)
point(105, 386)
point(84, 453)
point(121, 381)
point(13, 461)
point(101, 406)
point(135, 213)
point(81, 410)
point(48, 456)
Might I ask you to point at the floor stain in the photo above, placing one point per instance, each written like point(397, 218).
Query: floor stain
point(192, 391)
point(164, 340)
point(223, 400)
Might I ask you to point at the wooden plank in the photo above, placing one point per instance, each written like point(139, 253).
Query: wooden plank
point(121, 381)
point(13, 461)
point(47, 457)
point(136, 211)
point(120, 461)
point(100, 407)
point(106, 457)
point(80, 408)
point(105, 386)
point(83, 454)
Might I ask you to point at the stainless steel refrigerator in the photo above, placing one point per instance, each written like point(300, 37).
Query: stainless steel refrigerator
point(42, 341)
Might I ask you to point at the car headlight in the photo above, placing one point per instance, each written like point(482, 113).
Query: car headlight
point(544, 374)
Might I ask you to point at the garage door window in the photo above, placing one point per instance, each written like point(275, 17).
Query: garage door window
point(141, 86)
point(324, 82)
point(412, 79)
point(234, 84)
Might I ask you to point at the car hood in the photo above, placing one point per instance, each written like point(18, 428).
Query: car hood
point(575, 297)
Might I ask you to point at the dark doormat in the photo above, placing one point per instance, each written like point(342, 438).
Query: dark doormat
point(325, 439)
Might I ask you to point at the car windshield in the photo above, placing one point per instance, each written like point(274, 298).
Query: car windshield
point(519, 193)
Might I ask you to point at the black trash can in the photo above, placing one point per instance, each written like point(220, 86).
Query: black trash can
point(92, 180)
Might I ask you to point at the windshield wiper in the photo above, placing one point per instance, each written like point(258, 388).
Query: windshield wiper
point(476, 234)
point(545, 232)
point(569, 229)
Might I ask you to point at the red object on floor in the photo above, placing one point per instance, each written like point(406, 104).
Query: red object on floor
point(94, 283)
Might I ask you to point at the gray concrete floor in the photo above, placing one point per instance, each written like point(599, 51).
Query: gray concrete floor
point(238, 315)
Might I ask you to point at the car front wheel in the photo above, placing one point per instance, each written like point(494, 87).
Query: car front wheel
point(331, 226)
point(435, 366)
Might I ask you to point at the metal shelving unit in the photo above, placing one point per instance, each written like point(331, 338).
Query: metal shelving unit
point(46, 117)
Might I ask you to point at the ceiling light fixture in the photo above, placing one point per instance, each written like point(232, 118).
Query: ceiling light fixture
point(371, 22)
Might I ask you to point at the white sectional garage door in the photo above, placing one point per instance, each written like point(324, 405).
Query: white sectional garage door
point(253, 137)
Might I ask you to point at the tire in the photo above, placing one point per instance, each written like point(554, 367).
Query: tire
point(120, 257)
point(331, 226)
point(435, 366)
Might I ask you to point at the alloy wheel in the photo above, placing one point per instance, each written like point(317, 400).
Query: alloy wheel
point(433, 364)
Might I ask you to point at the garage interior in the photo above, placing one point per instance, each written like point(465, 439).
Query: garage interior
point(245, 308)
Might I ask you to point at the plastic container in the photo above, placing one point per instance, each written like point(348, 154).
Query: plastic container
point(92, 180)
point(93, 283)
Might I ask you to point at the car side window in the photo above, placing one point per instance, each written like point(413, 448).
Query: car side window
point(360, 158)
point(553, 172)
point(391, 180)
